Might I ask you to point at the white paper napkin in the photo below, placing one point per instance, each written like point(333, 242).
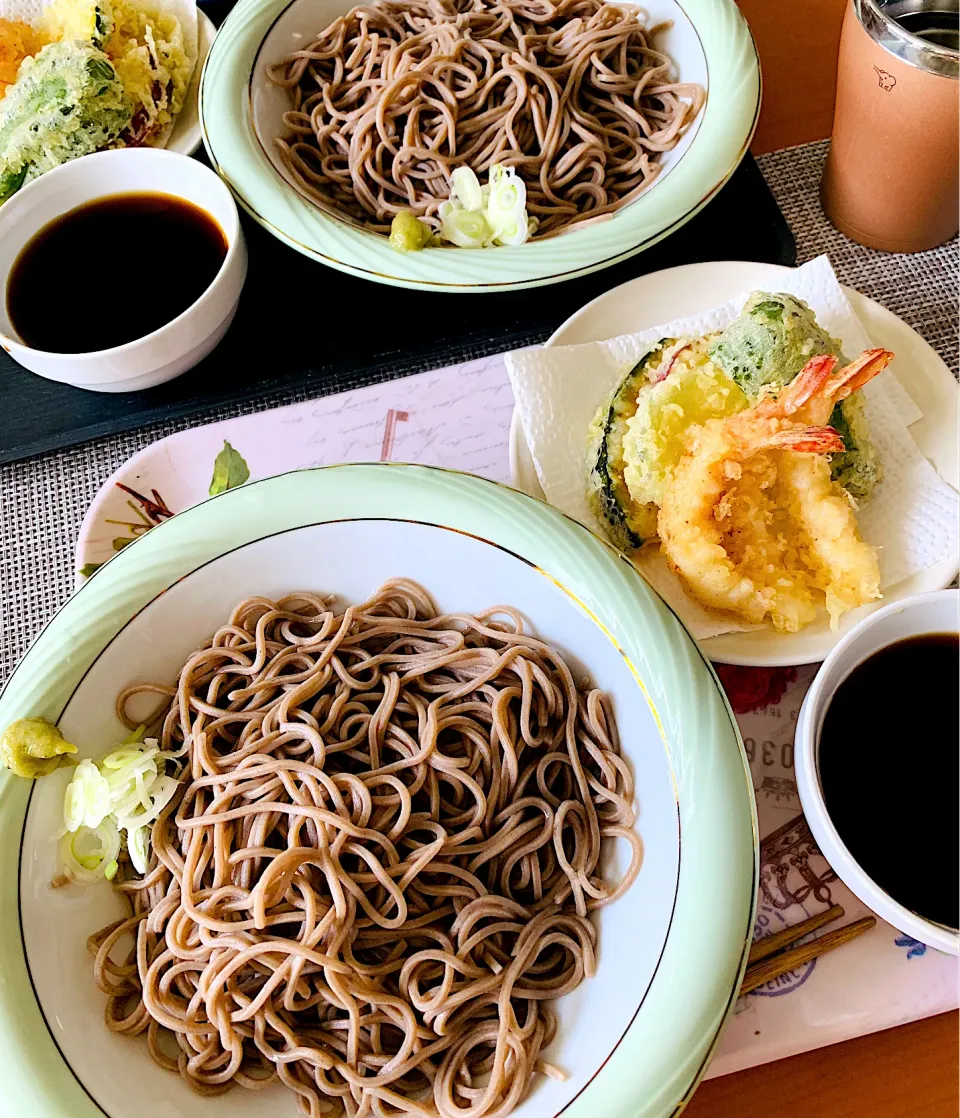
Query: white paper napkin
point(911, 517)
point(29, 11)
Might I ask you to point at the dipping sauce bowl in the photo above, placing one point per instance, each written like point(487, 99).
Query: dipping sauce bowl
point(916, 758)
point(124, 271)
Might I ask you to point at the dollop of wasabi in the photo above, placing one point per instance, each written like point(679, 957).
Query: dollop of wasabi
point(408, 233)
point(32, 747)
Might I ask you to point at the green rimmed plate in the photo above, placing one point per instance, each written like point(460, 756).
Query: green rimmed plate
point(635, 1039)
point(241, 113)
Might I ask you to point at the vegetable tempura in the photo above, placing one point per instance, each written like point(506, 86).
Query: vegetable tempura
point(66, 102)
point(114, 73)
point(18, 41)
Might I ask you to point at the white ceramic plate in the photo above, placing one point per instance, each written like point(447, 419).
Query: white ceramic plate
point(676, 292)
point(185, 136)
point(633, 1040)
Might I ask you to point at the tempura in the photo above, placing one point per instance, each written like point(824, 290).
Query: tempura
point(751, 520)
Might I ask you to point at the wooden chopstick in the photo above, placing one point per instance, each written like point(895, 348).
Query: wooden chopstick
point(771, 944)
point(776, 965)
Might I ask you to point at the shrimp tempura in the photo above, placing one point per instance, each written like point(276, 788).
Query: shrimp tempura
point(751, 520)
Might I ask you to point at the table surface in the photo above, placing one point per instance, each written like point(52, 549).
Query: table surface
point(909, 1072)
point(798, 43)
point(905, 1072)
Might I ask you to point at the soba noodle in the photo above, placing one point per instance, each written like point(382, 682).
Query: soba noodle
point(382, 860)
point(391, 98)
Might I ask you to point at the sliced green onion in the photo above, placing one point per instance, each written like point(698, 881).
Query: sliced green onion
point(73, 806)
point(120, 758)
point(126, 791)
point(465, 190)
point(144, 766)
point(476, 215)
point(87, 799)
point(98, 803)
point(161, 793)
point(508, 197)
point(465, 229)
point(138, 847)
point(173, 754)
point(87, 852)
point(512, 230)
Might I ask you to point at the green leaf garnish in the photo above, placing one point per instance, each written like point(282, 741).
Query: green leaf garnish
point(229, 470)
point(88, 568)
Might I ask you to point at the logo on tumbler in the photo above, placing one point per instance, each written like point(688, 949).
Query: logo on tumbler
point(887, 81)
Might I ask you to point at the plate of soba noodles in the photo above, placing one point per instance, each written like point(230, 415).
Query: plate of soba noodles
point(478, 145)
point(368, 790)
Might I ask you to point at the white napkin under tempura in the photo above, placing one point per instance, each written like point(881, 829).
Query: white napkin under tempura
point(911, 516)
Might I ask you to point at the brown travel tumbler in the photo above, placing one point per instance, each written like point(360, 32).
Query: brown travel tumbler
point(891, 180)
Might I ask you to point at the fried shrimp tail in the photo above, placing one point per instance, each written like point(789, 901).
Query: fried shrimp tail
point(817, 390)
point(751, 520)
point(804, 440)
point(808, 383)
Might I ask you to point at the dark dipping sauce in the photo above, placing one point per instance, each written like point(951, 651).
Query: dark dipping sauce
point(889, 769)
point(112, 271)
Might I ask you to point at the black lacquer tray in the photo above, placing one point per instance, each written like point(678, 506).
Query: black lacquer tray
point(305, 328)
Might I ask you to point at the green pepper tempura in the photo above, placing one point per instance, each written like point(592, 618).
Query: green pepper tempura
point(767, 344)
point(33, 747)
point(770, 341)
point(67, 101)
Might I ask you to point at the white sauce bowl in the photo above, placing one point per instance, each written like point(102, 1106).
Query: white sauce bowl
point(938, 612)
point(181, 343)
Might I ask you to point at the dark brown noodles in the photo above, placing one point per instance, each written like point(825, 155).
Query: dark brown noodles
point(392, 97)
point(380, 867)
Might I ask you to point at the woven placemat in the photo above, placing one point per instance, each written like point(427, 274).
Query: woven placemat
point(43, 500)
point(920, 288)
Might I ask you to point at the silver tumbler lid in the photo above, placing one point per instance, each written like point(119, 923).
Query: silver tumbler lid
point(924, 33)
